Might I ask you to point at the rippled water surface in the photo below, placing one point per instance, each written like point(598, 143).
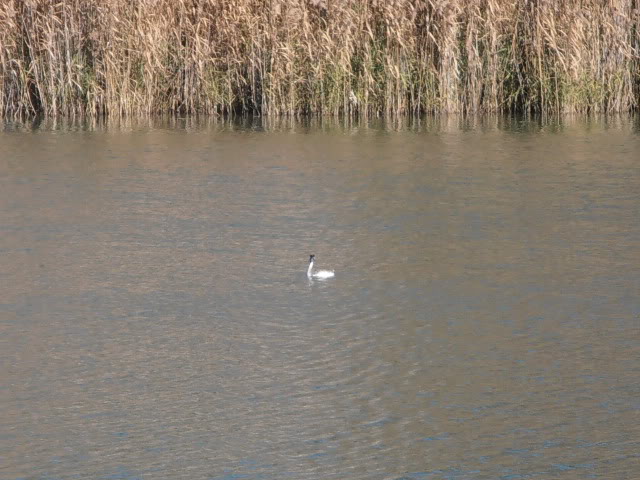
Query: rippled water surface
point(484, 321)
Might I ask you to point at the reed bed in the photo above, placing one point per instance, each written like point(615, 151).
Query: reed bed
point(324, 57)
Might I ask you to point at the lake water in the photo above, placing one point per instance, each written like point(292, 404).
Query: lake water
point(484, 321)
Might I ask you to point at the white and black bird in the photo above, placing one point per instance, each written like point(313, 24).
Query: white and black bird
point(319, 273)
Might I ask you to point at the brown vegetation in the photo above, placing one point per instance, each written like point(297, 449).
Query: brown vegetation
point(272, 57)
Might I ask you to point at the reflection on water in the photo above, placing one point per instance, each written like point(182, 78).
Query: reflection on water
point(157, 321)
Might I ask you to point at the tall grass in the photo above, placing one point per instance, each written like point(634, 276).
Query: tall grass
point(329, 57)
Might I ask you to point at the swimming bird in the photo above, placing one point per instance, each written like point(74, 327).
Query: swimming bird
point(319, 273)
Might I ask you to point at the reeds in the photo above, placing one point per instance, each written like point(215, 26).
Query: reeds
point(329, 57)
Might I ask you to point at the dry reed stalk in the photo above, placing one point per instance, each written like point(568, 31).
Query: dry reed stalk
point(326, 57)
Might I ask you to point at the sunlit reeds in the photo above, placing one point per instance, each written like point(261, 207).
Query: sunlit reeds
point(328, 57)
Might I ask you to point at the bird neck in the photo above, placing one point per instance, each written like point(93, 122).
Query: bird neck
point(309, 269)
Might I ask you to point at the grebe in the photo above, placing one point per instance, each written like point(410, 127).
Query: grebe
point(319, 273)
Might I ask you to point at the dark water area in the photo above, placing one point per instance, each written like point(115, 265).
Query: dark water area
point(157, 322)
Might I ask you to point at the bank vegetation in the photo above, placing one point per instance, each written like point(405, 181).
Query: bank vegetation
point(325, 57)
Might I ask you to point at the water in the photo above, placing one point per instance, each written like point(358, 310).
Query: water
point(483, 324)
